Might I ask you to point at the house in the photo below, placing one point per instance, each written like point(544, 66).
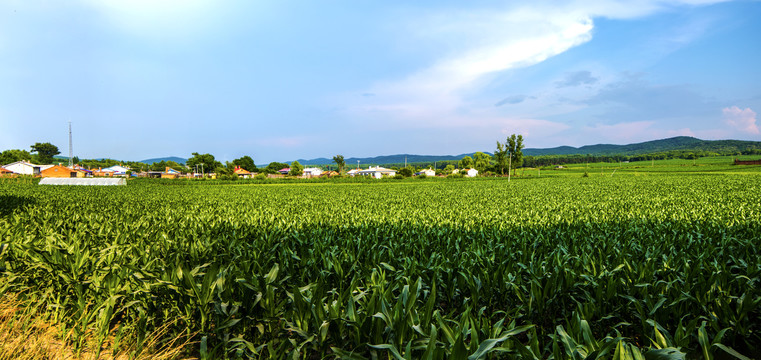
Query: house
point(60, 171)
point(242, 172)
point(377, 172)
point(284, 171)
point(26, 168)
point(85, 172)
point(472, 173)
point(116, 170)
point(329, 173)
point(5, 172)
point(313, 171)
point(426, 172)
point(353, 172)
point(170, 173)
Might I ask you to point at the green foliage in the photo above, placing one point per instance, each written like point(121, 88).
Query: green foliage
point(515, 150)
point(405, 172)
point(274, 167)
point(162, 165)
point(500, 157)
point(45, 152)
point(466, 162)
point(246, 162)
point(13, 155)
point(481, 161)
point(203, 162)
point(339, 160)
point(656, 267)
point(296, 169)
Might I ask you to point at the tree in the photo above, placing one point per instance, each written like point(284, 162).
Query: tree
point(405, 171)
point(274, 167)
point(448, 169)
point(296, 169)
point(481, 161)
point(339, 160)
point(13, 155)
point(500, 156)
point(515, 145)
point(45, 152)
point(246, 162)
point(158, 166)
point(204, 162)
point(466, 162)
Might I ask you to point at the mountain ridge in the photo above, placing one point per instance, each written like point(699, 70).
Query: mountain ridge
point(678, 143)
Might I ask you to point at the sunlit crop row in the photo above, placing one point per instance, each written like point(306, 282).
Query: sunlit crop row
point(563, 268)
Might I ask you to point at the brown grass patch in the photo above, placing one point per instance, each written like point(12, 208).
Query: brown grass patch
point(28, 333)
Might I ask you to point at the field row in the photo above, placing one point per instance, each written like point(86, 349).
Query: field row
point(557, 267)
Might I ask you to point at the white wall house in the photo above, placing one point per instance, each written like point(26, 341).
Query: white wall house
point(312, 171)
point(377, 172)
point(117, 170)
point(428, 172)
point(26, 168)
point(472, 173)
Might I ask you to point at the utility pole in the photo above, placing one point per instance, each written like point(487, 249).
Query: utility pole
point(71, 150)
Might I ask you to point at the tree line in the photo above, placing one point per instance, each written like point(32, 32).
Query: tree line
point(508, 156)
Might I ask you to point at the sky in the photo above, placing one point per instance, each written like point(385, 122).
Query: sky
point(284, 80)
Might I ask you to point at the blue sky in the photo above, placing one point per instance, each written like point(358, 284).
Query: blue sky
point(282, 80)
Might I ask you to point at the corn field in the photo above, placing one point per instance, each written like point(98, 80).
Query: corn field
point(658, 267)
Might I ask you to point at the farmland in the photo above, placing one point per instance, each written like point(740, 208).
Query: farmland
point(615, 264)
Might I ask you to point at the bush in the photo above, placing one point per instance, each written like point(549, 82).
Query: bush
point(406, 172)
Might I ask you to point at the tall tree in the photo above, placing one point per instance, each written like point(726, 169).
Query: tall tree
point(296, 169)
point(205, 162)
point(13, 155)
point(481, 161)
point(45, 152)
point(514, 146)
point(274, 167)
point(500, 157)
point(339, 160)
point(466, 162)
point(246, 162)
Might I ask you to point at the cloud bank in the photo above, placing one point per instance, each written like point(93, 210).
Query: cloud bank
point(743, 120)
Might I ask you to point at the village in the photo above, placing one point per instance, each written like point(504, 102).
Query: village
point(25, 168)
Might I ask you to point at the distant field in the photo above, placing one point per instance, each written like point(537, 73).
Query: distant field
point(717, 164)
point(655, 255)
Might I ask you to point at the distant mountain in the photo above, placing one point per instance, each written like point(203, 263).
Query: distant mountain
point(683, 143)
point(176, 159)
point(387, 159)
point(679, 143)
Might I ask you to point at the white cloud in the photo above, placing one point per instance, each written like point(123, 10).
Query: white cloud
point(741, 119)
point(174, 20)
point(474, 46)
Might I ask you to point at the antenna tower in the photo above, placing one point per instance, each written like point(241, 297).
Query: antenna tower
point(71, 149)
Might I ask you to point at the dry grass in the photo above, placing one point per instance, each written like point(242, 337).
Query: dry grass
point(26, 333)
